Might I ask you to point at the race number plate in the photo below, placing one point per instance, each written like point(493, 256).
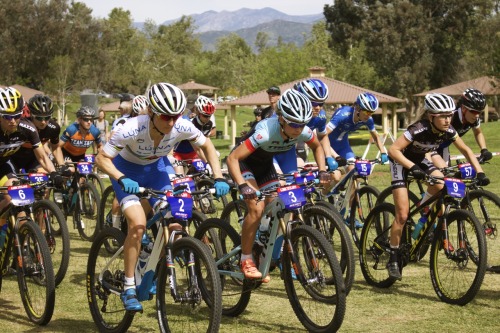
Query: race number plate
point(199, 165)
point(21, 195)
point(89, 158)
point(455, 187)
point(364, 168)
point(38, 179)
point(84, 168)
point(293, 196)
point(467, 171)
point(188, 181)
point(181, 205)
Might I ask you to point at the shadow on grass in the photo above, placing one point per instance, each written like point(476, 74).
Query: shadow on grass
point(66, 325)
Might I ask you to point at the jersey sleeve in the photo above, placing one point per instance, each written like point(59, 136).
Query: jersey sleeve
point(96, 133)
point(68, 133)
point(370, 124)
point(258, 138)
point(116, 143)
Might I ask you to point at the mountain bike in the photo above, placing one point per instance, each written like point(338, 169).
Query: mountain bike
point(26, 246)
point(355, 206)
point(311, 273)
point(79, 198)
point(188, 287)
point(458, 246)
point(317, 213)
point(51, 221)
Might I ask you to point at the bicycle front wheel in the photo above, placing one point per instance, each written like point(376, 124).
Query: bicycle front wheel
point(96, 181)
point(374, 241)
point(86, 211)
point(194, 304)
point(360, 210)
point(485, 205)
point(319, 301)
point(105, 272)
point(458, 261)
point(35, 276)
point(46, 214)
point(330, 224)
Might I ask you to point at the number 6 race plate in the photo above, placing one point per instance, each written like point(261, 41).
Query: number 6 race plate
point(21, 195)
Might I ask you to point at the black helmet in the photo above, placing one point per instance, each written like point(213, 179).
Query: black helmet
point(40, 105)
point(257, 111)
point(473, 99)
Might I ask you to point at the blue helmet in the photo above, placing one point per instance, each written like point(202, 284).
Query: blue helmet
point(367, 101)
point(314, 89)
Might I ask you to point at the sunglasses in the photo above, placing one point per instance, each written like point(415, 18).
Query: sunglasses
point(165, 117)
point(42, 118)
point(368, 111)
point(315, 104)
point(9, 118)
point(86, 119)
point(294, 125)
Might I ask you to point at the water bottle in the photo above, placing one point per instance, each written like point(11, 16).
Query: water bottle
point(262, 232)
point(3, 234)
point(421, 222)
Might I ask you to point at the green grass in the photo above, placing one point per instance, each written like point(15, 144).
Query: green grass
point(409, 306)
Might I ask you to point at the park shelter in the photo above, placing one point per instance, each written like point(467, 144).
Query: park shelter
point(26, 92)
point(488, 85)
point(193, 88)
point(340, 93)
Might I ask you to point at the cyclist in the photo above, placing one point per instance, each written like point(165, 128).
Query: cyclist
point(131, 158)
point(251, 163)
point(80, 135)
point(469, 107)
point(317, 92)
point(348, 119)
point(140, 105)
point(41, 109)
point(407, 154)
point(15, 132)
point(204, 109)
point(125, 108)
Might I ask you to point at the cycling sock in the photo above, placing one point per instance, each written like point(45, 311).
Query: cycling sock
point(246, 256)
point(116, 221)
point(394, 253)
point(129, 283)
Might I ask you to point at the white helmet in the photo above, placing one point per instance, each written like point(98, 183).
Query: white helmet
point(139, 104)
point(295, 106)
point(439, 103)
point(165, 98)
point(204, 105)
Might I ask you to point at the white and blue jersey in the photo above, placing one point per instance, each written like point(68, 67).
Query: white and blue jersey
point(341, 124)
point(135, 154)
point(287, 161)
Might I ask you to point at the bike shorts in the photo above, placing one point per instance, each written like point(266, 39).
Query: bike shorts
point(185, 156)
point(264, 173)
point(153, 176)
point(71, 158)
point(444, 152)
point(399, 173)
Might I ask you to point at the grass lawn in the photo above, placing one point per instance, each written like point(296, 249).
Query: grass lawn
point(410, 305)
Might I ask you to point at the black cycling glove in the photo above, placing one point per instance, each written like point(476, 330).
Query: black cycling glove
point(417, 172)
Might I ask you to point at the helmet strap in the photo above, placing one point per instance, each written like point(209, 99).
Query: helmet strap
point(283, 131)
point(152, 122)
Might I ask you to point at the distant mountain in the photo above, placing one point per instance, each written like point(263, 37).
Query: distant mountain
point(243, 18)
point(290, 32)
point(246, 22)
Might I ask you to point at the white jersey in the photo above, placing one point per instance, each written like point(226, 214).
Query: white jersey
point(133, 143)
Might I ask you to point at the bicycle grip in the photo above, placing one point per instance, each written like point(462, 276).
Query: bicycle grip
point(257, 193)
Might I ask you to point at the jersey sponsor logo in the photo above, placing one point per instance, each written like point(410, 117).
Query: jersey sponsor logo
point(420, 130)
point(82, 143)
point(31, 128)
point(182, 128)
point(259, 137)
point(133, 131)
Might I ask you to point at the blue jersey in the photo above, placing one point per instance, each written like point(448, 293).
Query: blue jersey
point(318, 123)
point(342, 124)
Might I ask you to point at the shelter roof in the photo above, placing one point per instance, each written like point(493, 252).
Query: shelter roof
point(488, 85)
point(26, 92)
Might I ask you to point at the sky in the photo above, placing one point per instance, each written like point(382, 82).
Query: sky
point(162, 10)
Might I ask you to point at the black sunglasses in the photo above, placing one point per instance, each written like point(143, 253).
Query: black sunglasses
point(43, 118)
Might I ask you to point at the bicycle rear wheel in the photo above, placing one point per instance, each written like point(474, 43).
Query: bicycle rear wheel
point(46, 212)
point(374, 241)
point(458, 274)
point(485, 205)
point(330, 224)
point(220, 238)
point(197, 307)
point(318, 304)
point(85, 215)
point(36, 275)
point(105, 283)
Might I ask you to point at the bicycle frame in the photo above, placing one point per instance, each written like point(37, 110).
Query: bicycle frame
point(276, 210)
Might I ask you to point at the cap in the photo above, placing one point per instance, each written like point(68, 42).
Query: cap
point(274, 90)
point(126, 97)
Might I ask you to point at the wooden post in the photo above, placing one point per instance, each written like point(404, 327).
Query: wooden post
point(233, 127)
point(394, 121)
